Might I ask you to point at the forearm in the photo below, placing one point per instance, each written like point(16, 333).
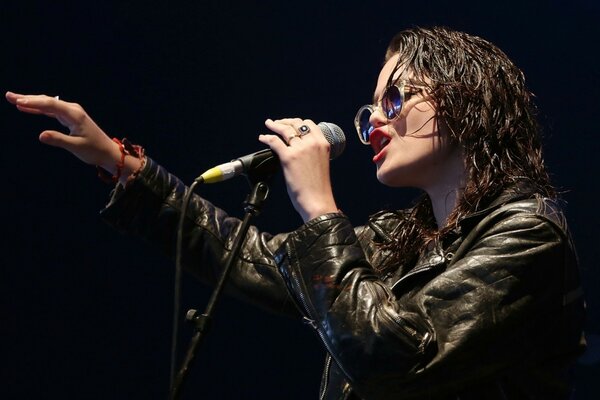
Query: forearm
point(150, 208)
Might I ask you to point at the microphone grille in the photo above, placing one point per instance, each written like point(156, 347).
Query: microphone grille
point(336, 138)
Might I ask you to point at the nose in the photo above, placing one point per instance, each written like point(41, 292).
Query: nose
point(377, 117)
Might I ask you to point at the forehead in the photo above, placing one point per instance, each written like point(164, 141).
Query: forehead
point(388, 69)
point(384, 76)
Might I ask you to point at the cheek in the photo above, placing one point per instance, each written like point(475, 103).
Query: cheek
point(421, 121)
point(423, 126)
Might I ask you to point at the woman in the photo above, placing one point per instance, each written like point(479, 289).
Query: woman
point(472, 293)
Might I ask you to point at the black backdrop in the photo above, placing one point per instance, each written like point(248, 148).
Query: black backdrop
point(86, 312)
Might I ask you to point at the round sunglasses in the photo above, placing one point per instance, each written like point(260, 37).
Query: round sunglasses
point(391, 104)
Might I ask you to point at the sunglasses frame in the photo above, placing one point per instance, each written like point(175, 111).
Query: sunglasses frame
point(400, 85)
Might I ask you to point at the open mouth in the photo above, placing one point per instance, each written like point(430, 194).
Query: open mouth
point(379, 141)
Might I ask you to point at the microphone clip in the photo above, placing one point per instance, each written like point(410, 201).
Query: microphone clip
point(260, 166)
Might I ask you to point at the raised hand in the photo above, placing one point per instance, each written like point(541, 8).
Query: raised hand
point(85, 140)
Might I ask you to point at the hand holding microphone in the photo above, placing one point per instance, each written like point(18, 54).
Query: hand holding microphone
point(266, 162)
point(305, 162)
point(303, 150)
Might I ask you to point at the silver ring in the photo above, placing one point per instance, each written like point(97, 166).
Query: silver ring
point(56, 97)
point(303, 130)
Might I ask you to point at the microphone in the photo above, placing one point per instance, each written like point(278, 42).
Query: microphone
point(265, 163)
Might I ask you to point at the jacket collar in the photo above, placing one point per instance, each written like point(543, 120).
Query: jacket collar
point(384, 222)
point(519, 191)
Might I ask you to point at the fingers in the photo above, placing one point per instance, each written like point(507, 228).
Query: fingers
point(287, 121)
point(18, 100)
point(58, 139)
point(68, 114)
point(289, 128)
point(285, 135)
point(40, 103)
point(273, 142)
point(284, 127)
point(303, 137)
point(12, 97)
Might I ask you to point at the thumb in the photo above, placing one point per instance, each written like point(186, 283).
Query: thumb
point(56, 139)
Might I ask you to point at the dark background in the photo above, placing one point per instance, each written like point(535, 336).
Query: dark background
point(86, 313)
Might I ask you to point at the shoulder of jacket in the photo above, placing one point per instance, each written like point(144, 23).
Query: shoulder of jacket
point(519, 213)
point(537, 206)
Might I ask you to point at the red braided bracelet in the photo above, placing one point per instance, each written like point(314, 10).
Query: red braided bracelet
point(127, 149)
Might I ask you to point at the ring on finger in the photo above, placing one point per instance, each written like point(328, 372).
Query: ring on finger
point(303, 130)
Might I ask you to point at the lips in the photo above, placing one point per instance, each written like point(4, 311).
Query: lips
point(379, 141)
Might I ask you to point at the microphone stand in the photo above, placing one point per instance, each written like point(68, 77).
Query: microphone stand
point(201, 322)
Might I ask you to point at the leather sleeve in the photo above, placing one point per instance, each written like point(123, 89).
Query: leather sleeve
point(150, 208)
point(498, 304)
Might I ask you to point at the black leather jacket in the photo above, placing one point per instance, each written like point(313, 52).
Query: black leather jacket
point(494, 312)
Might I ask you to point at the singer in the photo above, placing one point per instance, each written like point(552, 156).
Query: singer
point(473, 293)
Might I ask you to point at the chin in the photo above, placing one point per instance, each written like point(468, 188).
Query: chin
point(395, 178)
point(387, 179)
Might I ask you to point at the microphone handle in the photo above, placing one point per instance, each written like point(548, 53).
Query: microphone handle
point(261, 163)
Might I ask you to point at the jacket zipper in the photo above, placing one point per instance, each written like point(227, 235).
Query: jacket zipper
point(325, 379)
point(398, 325)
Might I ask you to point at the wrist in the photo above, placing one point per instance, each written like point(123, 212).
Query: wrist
point(124, 162)
point(318, 209)
point(131, 169)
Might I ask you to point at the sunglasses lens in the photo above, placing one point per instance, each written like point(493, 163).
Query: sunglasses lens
point(365, 127)
point(391, 102)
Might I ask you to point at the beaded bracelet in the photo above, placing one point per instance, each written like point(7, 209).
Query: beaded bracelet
point(127, 149)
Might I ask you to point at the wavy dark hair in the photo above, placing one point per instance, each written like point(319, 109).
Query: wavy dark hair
point(480, 95)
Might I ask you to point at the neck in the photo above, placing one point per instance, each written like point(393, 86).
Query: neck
point(447, 189)
point(443, 203)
